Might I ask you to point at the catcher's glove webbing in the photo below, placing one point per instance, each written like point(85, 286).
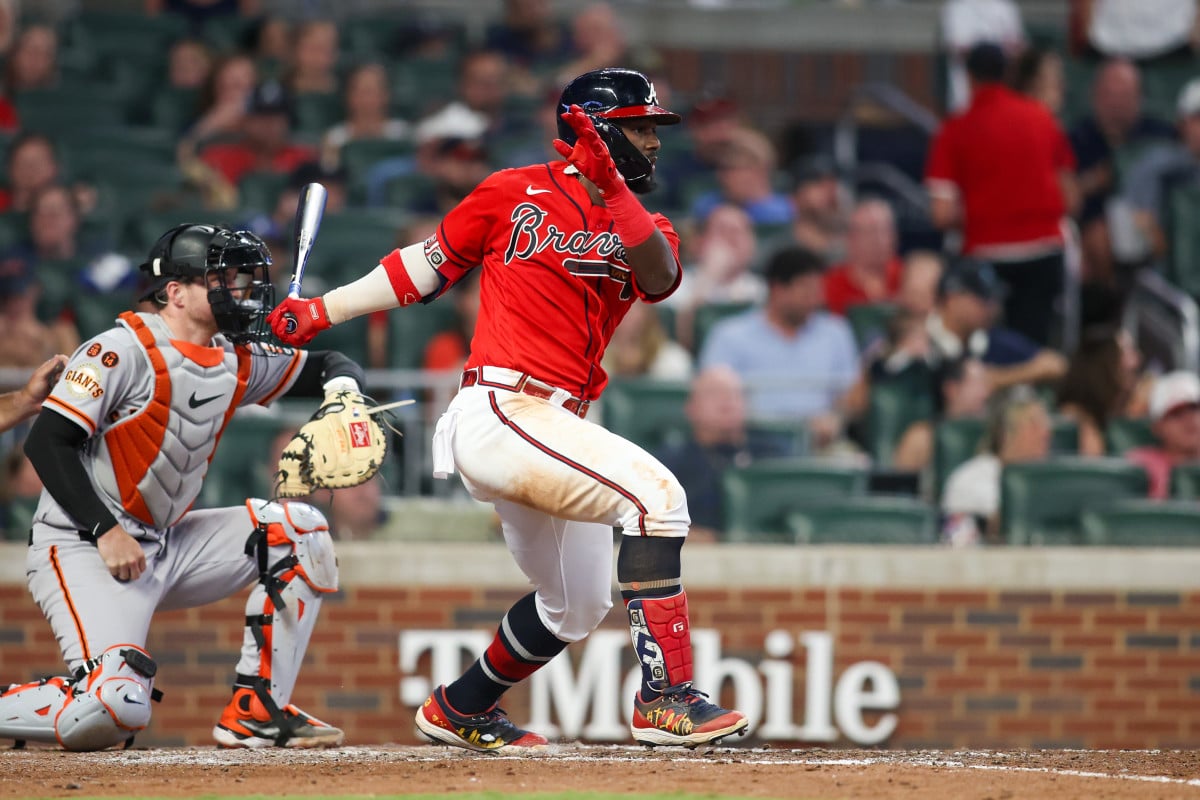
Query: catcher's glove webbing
point(342, 445)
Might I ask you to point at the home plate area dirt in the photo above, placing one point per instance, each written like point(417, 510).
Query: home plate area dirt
point(722, 771)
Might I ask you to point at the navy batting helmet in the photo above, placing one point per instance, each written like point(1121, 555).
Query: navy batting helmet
point(611, 95)
point(238, 262)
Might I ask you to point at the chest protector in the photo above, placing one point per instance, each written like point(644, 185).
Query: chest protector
point(153, 462)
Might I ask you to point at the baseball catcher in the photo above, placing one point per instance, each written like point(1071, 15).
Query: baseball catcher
point(122, 445)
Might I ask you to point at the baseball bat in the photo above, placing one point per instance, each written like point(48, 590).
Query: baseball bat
point(309, 211)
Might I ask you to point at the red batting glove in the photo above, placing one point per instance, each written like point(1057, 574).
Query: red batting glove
point(590, 154)
point(297, 320)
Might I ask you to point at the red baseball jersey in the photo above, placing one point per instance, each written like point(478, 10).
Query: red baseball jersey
point(1004, 155)
point(555, 283)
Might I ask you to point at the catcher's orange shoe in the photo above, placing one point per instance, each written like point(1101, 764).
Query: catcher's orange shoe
point(683, 717)
point(487, 731)
point(247, 723)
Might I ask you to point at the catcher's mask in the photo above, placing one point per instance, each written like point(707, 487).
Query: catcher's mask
point(235, 265)
point(617, 94)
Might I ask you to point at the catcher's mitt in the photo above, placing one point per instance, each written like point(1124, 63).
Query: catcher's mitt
point(342, 445)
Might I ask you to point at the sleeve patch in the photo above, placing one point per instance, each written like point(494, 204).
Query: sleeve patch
point(433, 252)
point(84, 380)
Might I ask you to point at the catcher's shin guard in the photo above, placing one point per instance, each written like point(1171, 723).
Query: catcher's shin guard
point(106, 703)
point(283, 608)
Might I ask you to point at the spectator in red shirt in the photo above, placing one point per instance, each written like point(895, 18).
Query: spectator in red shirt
point(872, 270)
point(1175, 420)
point(1003, 173)
point(265, 143)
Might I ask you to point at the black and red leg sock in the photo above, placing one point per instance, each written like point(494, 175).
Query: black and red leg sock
point(521, 647)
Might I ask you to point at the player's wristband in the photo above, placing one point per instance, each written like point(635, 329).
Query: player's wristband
point(98, 530)
point(631, 220)
point(341, 383)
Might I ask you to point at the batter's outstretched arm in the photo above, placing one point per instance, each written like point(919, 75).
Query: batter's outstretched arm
point(407, 278)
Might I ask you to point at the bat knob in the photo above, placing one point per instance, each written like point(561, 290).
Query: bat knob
point(289, 322)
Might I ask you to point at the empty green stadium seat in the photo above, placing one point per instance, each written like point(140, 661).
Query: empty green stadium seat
point(866, 520)
point(116, 146)
point(411, 329)
point(869, 321)
point(416, 83)
point(349, 338)
point(1143, 523)
point(954, 442)
point(239, 469)
point(316, 112)
point(142, 230)
point(648, 413)
point(172, 109)
point(759, 497)
point(378, 231)
point(1041, 502)
point(261, 190)
point(1185, 481)
point(1124, 434)
point(1183, 232)
point(358, 155)
point(13, 227)
point(52, 111)
point(893, 405)
point(135, 186)
point(95, 313)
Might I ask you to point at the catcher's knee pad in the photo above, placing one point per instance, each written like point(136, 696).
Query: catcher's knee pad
point(283, 608)
point(300, 527)
point(106, 703)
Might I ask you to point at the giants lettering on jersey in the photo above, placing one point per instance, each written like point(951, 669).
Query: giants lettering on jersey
point(528, 238)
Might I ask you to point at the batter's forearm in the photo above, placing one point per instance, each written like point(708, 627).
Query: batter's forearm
point(53, 448)
point(402, 278)
point(653, 263)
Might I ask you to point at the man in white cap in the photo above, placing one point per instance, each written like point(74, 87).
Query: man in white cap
point(1175, 420)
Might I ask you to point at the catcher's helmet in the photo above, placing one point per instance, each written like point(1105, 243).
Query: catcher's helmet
point(242, 294)
point(617, 94)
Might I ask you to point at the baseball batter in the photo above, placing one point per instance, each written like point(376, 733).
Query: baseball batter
point(564, 248)
point(122, 445)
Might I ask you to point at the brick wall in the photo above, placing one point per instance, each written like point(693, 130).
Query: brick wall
point(977, 668)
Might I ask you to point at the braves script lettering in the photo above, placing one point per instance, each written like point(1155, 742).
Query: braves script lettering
point(528, 238)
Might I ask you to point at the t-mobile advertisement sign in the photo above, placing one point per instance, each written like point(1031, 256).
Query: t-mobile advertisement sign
point(590, 695)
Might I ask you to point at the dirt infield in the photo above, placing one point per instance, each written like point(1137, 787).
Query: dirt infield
point(749, 772)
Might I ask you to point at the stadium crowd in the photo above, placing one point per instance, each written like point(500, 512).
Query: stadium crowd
point(813, 325)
